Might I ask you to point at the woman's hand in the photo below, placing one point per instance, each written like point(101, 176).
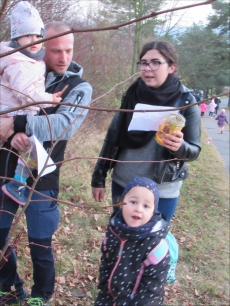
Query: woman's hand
point(98, 194)
point(173, 143)
point(20, 142)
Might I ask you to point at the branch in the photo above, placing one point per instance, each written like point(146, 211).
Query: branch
point(115, 109)
point(2, 10)
point(115, 27)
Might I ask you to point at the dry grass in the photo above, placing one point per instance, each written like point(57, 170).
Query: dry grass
point(201, 226)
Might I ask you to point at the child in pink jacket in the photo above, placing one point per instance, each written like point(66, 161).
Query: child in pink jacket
point(22, 75)
point(203, 108)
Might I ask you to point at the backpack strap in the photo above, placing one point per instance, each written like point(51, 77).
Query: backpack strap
point(157, 254)
point(71, 82)
point(57, 85)
point(153, 258)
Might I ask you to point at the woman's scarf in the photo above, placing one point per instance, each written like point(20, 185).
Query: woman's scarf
point(166, 95)
point(36, 56)
point(133, 233)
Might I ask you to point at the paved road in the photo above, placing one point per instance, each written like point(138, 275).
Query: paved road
point(220, 141)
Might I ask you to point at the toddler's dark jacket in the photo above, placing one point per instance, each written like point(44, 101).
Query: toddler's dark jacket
point(133, 270)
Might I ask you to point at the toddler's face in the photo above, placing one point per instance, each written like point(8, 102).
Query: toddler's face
point(139, 207)
point(24, 40)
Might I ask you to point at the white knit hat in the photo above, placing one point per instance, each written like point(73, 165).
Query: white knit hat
point(25, 20)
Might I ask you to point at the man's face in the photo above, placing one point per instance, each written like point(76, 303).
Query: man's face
point(59, 52)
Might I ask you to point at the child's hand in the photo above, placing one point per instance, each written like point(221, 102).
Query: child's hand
point(56, 97)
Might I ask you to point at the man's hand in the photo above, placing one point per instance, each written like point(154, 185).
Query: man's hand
point(6, 127)
point(20, 142)
point(98, 194)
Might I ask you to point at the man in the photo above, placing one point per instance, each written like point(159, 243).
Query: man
point(197, 96)
point(217, 101)
point(42, 216)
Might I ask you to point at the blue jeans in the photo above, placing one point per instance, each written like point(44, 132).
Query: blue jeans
point(42, 220)
point(166, 206)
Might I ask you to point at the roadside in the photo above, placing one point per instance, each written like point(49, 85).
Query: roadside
point(220, 141)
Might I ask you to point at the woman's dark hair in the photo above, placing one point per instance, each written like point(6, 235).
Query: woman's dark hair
point(164, 48)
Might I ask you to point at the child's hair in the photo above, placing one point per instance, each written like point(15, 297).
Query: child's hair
point(142, 182)
point(25, 20)
point(223, 111)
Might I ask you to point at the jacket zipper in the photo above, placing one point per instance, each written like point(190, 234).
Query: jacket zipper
point(117, 263)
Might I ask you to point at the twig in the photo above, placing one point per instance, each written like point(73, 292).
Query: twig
point(115, 27)
point(5, 2)
point(101, 109)
point(64, 89)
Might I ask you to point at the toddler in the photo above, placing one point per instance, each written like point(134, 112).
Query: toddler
point(22, 80)
point(135, 256)
point(221, 119)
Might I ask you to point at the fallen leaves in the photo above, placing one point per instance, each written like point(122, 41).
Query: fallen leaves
point(60, 279)
point(182, 239)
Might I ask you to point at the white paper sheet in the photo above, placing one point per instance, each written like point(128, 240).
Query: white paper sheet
point(42, 157)
point(149, 121)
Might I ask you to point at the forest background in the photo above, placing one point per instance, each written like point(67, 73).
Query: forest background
point(109, 58)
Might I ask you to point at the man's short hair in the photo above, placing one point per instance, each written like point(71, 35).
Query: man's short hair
point(57, 26)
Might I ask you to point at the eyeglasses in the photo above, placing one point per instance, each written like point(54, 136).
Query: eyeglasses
point(153, 65)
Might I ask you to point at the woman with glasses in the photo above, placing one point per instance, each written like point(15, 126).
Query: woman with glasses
point(157, 85)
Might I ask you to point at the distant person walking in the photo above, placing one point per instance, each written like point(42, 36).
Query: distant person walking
point(217, 101)
point(203, 108)
point(221, 119)
point(212, 107)
point(197, 96)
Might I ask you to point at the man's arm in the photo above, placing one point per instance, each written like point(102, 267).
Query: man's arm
point(61, 120)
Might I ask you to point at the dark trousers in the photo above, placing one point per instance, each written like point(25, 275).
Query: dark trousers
point(166, 206)
point(42, 221)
